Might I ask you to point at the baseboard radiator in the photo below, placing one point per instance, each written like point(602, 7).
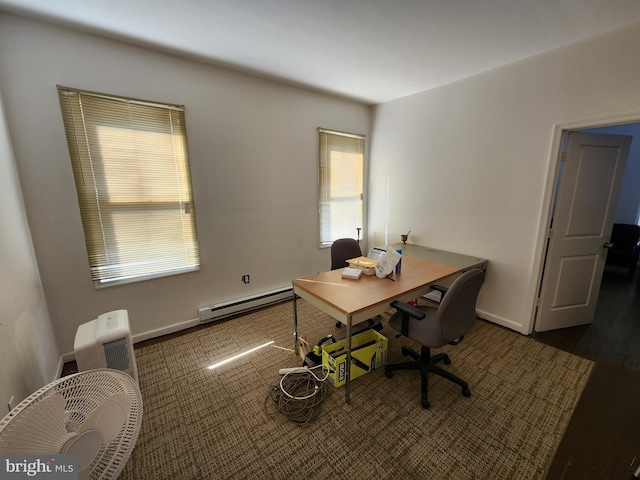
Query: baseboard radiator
point(242, 305)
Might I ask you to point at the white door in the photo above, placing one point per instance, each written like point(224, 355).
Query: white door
point(587, 197)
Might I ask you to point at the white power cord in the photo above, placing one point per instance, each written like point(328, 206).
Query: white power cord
point(285, 372)
point(299, 394)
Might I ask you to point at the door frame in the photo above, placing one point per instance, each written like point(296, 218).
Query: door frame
point(553, 164)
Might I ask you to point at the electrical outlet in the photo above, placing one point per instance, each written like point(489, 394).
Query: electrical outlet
point(246, 279)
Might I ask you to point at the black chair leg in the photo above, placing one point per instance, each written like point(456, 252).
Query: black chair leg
point(632, 270)
point(451, 377)
point(414, 365)
point(441, 357)
point(424, 385)
point(426, 364)
point(389, 369)
point(410, 353)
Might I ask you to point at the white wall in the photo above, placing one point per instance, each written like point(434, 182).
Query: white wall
point(29, 349)
point(253, 148)
point(468, 167)
point(469, 163)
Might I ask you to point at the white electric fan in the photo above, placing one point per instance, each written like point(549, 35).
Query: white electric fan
point(95, 414)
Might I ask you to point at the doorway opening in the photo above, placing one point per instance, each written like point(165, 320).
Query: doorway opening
point(625, 210)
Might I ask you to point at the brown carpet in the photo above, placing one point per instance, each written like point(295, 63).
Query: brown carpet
point(211, 424)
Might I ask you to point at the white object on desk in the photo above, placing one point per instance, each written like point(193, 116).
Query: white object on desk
point(367, 265)
point(387, 263)
point(352, 273)
point(375, 253)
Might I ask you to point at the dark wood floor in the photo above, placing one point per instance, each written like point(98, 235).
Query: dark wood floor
point(603, 438)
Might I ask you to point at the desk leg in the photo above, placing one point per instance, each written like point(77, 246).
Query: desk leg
point(296, 347)
point(347, 386)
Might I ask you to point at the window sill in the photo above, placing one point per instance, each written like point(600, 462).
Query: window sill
point(142, 278)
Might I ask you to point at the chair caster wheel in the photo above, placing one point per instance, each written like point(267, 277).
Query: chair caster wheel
point(466, 392)
point(338, 324)
point(425, 404)
point(388, 373)
point(447, 361)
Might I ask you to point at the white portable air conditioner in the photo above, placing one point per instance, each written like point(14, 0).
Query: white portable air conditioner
point(106, 343)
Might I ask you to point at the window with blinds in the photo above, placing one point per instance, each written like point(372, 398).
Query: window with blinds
point(341, 185)
point(131, 167)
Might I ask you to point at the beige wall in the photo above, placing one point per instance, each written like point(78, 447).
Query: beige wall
point(253, 148)
point(470, 165)
point(29, 357)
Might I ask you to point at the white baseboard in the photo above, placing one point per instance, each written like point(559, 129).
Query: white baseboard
point(159, 332)
point(504, 322)
point(141, 337)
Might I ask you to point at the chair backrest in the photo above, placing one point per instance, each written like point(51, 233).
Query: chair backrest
point(457, 311)
point(342, 250)
point(625, 237)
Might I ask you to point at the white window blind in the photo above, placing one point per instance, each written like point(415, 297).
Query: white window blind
point(341, 185)
point(131, 167)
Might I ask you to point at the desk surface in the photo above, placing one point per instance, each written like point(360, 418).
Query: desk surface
point(351, 301)
point(465, 262)
point(351, 297)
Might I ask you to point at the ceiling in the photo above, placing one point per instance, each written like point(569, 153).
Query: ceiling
point(369, 50)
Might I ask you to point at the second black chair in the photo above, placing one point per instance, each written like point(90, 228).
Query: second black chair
point(342, 250)
point(435, 327)
point(625, 247)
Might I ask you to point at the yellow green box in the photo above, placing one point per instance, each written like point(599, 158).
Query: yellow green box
point(368, 351)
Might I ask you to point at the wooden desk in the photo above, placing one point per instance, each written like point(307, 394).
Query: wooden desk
point(353, 301)
point(465, 262)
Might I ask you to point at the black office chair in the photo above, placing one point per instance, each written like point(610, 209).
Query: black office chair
point(626, 247)
point(435, 327)
point(342, 250)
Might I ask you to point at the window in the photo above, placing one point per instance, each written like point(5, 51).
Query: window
point(341, 185)
point(131, 167)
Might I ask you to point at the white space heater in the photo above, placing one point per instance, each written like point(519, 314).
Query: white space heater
point(106, 343)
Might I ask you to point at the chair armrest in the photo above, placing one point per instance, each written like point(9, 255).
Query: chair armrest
point(440, 288)
point(407, 309)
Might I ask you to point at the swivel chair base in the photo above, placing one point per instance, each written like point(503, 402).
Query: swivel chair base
point(426, 364)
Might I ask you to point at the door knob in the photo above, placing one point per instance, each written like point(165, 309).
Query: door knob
point(607, 245)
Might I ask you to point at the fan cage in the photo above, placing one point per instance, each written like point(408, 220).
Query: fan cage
point(83, 392)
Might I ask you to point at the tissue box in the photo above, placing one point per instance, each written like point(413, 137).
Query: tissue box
point(368, 351)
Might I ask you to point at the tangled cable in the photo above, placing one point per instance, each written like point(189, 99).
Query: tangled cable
point(298, 396)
